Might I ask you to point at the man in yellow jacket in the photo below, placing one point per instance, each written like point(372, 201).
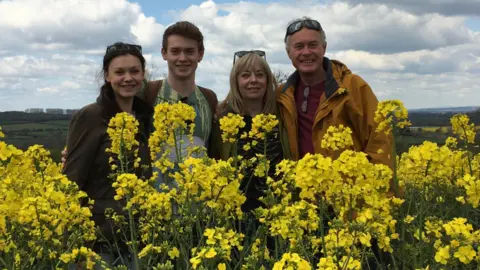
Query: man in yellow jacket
point(323, 92)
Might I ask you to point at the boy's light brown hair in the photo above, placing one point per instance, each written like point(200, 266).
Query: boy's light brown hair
point(185, 29)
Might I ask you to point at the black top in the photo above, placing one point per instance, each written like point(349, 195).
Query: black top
point(252, 186)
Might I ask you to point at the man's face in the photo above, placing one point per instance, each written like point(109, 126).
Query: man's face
point(182, 56)
point(306, 50)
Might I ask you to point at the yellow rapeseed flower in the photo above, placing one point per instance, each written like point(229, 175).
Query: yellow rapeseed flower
point(174, 253)
point(42, 209)
point(337, 138)
point(462, 127)
point(451, 142)
point(391, 112)
point(465, 254)
point(442, 255)
point(472, 189)
point(292, 261)
point(230, 125)
point(262, 124)
point(122, 130)
point(171, 123)
point(216, 185)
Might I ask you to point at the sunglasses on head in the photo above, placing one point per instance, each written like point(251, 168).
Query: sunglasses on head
point(241, 54)
point(296, 26)
point(124, 47)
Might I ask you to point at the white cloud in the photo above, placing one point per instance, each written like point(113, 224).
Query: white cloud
point(64, 87)
point(61, 25)
point(148, 32)
point(459, 58)
point(447, 7)
point(52, 66)
point(48, 89)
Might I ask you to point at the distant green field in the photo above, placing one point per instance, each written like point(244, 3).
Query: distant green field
point(56, 124)
point(52, 134)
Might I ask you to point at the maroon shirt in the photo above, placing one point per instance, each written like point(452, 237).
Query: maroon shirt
point(305, 120)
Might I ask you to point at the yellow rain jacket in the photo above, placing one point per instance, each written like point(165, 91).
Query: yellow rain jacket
point(347, 100)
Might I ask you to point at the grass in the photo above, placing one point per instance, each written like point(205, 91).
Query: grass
point(57, 124)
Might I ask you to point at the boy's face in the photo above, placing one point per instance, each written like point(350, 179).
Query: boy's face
point(182, 56)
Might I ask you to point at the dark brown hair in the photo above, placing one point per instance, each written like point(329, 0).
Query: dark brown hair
point(185, 29)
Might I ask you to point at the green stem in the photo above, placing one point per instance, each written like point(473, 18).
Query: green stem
point(3, 262)
point(465, 142)
point(265, 155)
point(350, 253)
point(350, 214)
point(177, 150)
point(235, 158)
point(394, 262)
point(44, 251)
point(322, 230)
point(123, 166)
point(394, 161)
point(363, 255)
point(133, 237)
point(469, 157)
point(421, 226)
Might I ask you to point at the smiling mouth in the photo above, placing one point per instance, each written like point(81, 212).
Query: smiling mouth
point(307, 61)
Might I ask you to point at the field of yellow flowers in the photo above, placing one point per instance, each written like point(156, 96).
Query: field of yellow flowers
point(318, 212)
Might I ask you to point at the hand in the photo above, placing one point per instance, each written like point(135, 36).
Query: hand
point(64, 156)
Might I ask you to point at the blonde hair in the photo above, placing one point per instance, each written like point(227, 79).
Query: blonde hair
point(234, 100)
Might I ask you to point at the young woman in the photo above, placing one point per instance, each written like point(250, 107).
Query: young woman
point(252, 92)
point(87, 161)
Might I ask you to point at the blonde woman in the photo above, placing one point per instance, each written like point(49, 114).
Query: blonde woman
point(252, 92)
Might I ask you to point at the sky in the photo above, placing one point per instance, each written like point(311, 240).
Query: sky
point(425, 53)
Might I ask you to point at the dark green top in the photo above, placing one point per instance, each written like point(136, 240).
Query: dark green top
point(277, 150)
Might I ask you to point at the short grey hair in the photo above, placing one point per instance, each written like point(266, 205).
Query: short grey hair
point(323, 37)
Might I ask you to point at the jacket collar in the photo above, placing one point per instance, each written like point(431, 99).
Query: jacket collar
point(331, 85)
point(110, 107)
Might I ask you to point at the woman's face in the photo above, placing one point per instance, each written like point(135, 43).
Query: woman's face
point(125, 74)
point(252, 82)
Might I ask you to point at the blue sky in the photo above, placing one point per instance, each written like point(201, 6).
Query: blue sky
point(160, 9)
point(426, 55)
point(473, 23)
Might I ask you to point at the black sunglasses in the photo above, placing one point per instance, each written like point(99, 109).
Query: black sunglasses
point(124, 47)
point(241, 54)
point(306, 92)
point(296, 26)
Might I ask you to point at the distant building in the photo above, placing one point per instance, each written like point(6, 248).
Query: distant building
point(54, 111)
point(34, 110)
point(71, 111)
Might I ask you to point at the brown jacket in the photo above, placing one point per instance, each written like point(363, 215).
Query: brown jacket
point(347, 100)
point(87, 162)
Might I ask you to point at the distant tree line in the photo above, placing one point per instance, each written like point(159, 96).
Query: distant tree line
point(424, 119)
